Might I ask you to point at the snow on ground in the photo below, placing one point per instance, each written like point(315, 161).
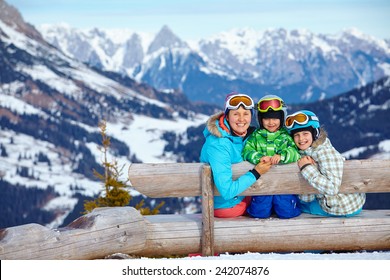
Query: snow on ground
point(310, 255)
point(302, 266)
point(376, 255)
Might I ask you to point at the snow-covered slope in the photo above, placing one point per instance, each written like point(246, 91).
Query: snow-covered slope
point(50, 107)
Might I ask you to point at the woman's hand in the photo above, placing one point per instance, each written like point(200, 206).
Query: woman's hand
point(263, 166)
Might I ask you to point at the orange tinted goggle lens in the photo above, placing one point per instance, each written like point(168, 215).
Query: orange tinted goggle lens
point(299, 118)
point(236, 100)
point(264, 105)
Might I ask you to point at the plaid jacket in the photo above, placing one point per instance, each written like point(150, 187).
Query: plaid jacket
point(326, 177)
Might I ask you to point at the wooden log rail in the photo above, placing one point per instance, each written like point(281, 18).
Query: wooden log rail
point(160, 180)
point(106, 231)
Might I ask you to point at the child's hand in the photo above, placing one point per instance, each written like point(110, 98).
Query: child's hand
point(305, 160)
point(265, 159)
point(275, 159)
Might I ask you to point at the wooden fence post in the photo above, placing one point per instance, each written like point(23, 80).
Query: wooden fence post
point(207, 211)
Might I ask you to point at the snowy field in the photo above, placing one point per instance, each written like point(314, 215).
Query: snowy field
point(302, 266)
point(302, 256)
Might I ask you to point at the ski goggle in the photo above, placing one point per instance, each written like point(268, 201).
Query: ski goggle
point(236, 100)
point(275, 104)
point(299, 118)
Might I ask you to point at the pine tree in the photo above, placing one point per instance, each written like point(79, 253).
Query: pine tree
point(115, 190)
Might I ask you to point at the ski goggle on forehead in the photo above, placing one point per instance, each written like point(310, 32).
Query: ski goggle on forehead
point(299, 118)
point(275, 104)
point(236, 100)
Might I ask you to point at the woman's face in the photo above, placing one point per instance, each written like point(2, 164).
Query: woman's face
point(239, 120)
point(303, 139)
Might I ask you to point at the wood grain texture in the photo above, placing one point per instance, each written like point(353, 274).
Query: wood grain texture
point(180, 234)
point(95, 235)
point(181, 180)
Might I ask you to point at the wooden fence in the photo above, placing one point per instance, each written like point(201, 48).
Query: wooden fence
point(106, 231)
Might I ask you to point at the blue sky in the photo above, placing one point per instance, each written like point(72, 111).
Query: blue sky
point(202, 18)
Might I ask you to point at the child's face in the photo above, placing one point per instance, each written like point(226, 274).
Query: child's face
point(303, 139)
point(271, 125)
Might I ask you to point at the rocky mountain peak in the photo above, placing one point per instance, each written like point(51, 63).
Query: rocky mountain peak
point(165, 38)
point(11, 17)
point(134, 53)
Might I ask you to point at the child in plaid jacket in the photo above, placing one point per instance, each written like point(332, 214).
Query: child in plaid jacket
point(322, 166)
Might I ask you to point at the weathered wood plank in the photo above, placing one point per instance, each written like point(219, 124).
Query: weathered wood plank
point(367, 231)
point(102, 232)
point(366, 176)
point(172, 234)
point(181, 234)
point(180, 180)
point(164, 235)
point(166, 179)
point(207, 212)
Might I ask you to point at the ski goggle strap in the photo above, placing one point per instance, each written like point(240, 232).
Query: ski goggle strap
point(236, 100)
point(299, 118)
point(275, 104)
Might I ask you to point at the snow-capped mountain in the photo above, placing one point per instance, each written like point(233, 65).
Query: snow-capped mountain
point(356, 121)
point(50, 107)
point(297, 65)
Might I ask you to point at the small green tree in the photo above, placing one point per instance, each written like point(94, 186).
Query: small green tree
point(115, 190)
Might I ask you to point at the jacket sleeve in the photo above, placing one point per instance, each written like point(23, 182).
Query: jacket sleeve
point(221, 166)
point(327, 175)
point(290, 152)
point(250, 151)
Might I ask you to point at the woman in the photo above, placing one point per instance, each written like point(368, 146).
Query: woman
point(226, 133)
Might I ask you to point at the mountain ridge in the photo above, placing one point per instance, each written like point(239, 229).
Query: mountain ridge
point(298, 65)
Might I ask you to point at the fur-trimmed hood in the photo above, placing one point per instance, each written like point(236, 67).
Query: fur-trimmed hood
point(321, 139)
point(212, 127)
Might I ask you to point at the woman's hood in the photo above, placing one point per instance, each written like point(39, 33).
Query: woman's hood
point(212, 125)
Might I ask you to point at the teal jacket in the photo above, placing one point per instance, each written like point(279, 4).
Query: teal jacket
point(220, 150)
point(264, 143)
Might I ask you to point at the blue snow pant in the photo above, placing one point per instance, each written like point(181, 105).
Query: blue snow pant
point(285, 206)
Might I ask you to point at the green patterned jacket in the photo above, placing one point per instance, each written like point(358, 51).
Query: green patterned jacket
point(264, 143)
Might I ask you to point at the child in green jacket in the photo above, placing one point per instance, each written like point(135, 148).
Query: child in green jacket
point(272, 143)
